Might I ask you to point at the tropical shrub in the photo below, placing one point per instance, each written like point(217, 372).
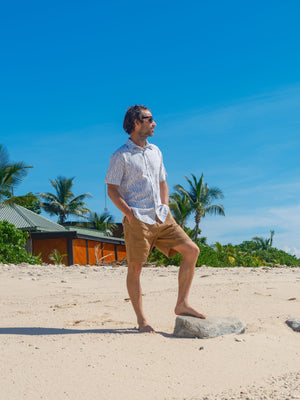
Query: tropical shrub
point(207, 256)
point(274, 256)
point(12, 243)
point(246, 254)
point(160, 259)
point(56, 257)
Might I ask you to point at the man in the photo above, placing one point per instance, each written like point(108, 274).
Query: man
point(136, 181)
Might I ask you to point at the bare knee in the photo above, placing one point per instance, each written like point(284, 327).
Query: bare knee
point(134, 269)
point(192, 251)
point(188, 250)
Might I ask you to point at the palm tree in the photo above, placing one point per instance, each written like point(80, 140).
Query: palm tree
point(225, 253)
point(180, 207)
point(191, 233)
point(103, 222)
point(264, 244)
point(63, 203)
point(29, 201)
point(11, 175)
point(201, 197)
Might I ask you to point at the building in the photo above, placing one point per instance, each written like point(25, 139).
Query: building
point(81, 246)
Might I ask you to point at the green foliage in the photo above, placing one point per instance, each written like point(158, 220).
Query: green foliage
point(191, 233)
point(200, 198)
point(12, 242)
point(248, 246)
point(261, 252)
point(264, 244)
point(208, 256)
point(102, 222)
point(56, 257)
point(249, 260)
point(63, 203)
point(160, 259)
point(11, 175)
point(274, 256)
point(180, 207)
point(246, 254)
point(29, 201)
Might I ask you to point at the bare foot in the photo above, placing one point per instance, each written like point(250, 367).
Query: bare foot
point(146, 329)
point(185, 309)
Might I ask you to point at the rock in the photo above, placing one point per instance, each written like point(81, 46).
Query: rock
point(191, 327)
point(294, 323)
point(238, 340)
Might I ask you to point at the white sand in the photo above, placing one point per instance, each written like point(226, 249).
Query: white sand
point(68, 333)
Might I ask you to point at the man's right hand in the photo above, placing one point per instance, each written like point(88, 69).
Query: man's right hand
point(129, 216)
point(119, 202)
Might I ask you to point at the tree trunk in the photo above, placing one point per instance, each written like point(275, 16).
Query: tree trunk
point(62, 219)
point(197, 220)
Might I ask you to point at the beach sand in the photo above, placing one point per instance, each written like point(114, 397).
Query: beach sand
point(69, 333)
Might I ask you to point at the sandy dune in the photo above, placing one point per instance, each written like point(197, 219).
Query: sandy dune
point(69, 333)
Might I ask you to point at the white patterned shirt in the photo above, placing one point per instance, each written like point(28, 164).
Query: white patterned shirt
point(138, 171)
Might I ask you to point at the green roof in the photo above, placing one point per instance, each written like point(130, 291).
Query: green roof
point(27, 220)
point(91, 232)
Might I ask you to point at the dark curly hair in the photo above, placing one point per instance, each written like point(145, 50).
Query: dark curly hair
point(133, 113)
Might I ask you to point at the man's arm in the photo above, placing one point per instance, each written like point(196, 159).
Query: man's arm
point(164, 192)
point(119, 202)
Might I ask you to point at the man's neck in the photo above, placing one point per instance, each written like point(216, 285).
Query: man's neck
point(138, 141)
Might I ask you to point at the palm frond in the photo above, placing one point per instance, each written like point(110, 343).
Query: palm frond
point(11, 174)
point(216, 209)
point(63, 203)
point(200, 197)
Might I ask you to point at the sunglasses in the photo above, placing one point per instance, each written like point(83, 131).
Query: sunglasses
point(150, 119)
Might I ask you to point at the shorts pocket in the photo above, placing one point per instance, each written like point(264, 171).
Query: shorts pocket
point(126, 221)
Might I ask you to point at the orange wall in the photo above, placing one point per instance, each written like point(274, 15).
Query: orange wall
point(106, 251)
point(122, 252)
point(79, 251)
point(92, 249)
point(46, 246)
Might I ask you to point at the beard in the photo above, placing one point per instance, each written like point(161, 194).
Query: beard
point(146, 132)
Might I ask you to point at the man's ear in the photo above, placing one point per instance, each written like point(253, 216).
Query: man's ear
point(137, 123)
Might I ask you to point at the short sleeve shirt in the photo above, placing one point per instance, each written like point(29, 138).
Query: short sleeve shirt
point(138, 171)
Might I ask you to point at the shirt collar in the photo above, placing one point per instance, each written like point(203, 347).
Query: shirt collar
point(131, 145)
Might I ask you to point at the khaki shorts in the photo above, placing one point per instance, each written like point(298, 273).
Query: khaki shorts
point(140, 238)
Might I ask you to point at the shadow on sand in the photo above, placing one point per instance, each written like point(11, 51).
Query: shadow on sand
point(38, 331)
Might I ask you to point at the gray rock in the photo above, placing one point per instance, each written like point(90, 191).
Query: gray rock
point(294, 323)
point(191, 327)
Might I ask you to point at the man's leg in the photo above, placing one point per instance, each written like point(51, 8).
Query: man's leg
point(135, 294)
point(189, 252)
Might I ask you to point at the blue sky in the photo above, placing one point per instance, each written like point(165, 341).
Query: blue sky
point(221, 78)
